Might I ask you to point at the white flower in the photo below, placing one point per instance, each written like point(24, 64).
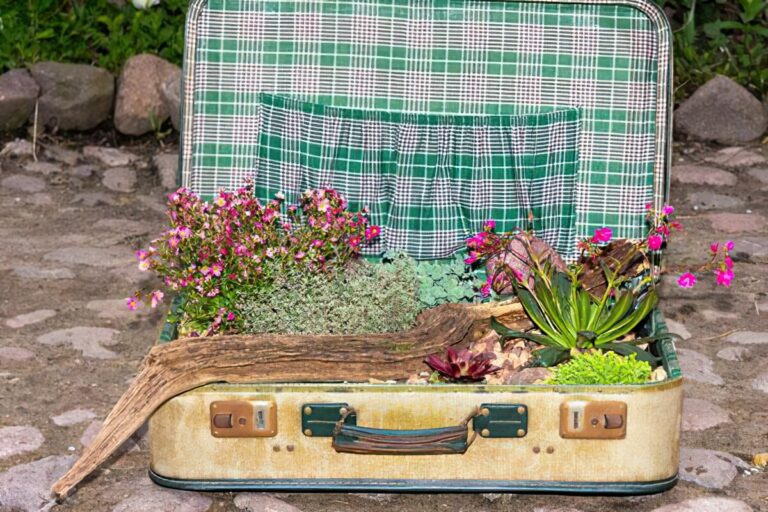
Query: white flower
point(144, 4)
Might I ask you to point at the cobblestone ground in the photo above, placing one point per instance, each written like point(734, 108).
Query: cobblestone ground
point(70, 222)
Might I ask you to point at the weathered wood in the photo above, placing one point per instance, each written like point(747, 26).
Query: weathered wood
point(182, 365)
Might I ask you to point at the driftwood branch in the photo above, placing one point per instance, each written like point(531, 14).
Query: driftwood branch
point(182, 365)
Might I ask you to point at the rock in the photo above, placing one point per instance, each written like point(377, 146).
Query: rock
point(88, 340)
point(91, 256)
point(736, 158)
point(27, 487)
point(44, 168)
point(701, 415)
point(15, 354)
point(22, 183)
point(760, 383)
point(698, 367)
point(754, 248)
point(760, 174)
point(73, 417)
point(18, 94)
point(172, 96)
point(73, 96)
point(167, 165)
point(39, 199)
point(83, 171)
point(17, 440)
point(748, 338)
point(677, 328)
point(722, 111)
point(140, 106)
point(120, 179)
point(527, 376)
point(43, 273)
point(90, 432)
point(258, 502)
point(711, 315)
point(735, 354)
point(709, 468)
point(114, 309)
point(95, 199)
point(17, 148)
point(701, 175)
point(736, 222)
point(62, 155)
point(147, 497)
point(111, 157)
point(34, 317)
point(708, 200)
point(706, 504)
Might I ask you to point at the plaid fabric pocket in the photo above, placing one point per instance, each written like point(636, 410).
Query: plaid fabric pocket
point(429, 181)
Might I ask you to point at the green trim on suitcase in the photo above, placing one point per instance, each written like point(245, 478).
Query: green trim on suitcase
point(418, 486)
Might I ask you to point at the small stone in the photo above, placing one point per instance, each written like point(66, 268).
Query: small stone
point(702, 175)
point(167, 164)
point(723, 111)
point(111, 157)
point(172, 97)
point(709, 200)
point(736, 222)
point(760, 174)
point(34, 317)
point(677, 328)
point(736, 354)
point(18, 94)
point(706, 504)
point(27, 487)
point(698, 367)
point(120, 179)
point(91, 256)
point(90, 432)
point(15, 354)
point(62, 155)
point(83, 171)
point(701, 415)
point(22, 183)
point(73, 96)
point(39, 199)
point(258, 502)
point(88, 340)
point(760, 383)
point(95, 199)
point(139, 105)
point(527, 376)
point(709, 468)
point(43, 273)
point(17, 440)
point(73, 417)
point(711, 315)
point(115, 309)
point(44, 168)
point(754, 248)
point(748, 338)
point(17, 148)
point(147, 497)
point(736, 158)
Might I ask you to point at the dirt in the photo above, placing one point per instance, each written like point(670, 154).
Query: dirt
point(59, 378)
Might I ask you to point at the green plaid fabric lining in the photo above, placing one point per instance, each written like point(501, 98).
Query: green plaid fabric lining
point(608, 58)
point(430, 181)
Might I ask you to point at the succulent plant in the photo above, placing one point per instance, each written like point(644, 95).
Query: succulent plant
point(445, 281)
point(597, 367)
point(462, 365)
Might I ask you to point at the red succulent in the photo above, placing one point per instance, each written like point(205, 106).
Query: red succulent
point(462, 365)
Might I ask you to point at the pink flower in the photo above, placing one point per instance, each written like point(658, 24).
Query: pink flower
point(141, 255)
point(230, 316)
point(686, 280)
point(518, 275)
point(156, 297)
point(655, 242)
point(471, 258)
point(144, 265)
point(668, 210)
point(489, 225)
point(317, 243)
point(354, 241)
point(730, 245)
point(714, 248)
point(372, 232)
point(132, 303)
point(300, 255)
point(648, 206)
point(485, 291)
point(663, 229)
point(728, 262)
point(723, 277)
point(602, 235)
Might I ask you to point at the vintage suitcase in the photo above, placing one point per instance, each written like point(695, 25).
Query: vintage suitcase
point(607, 60)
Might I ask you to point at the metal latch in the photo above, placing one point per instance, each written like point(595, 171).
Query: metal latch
point(584, 419)
point(243, 418)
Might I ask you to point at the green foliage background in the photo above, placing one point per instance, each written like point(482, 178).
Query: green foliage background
point(729, 37)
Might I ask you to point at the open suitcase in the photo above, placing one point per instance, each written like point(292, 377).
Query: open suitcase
point(607, 61)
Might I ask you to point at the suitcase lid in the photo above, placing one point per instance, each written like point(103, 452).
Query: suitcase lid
point(609, 58)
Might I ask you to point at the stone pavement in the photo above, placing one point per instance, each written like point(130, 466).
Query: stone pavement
point(68, 347)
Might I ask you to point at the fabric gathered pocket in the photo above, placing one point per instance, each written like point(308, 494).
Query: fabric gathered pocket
point(429, 181)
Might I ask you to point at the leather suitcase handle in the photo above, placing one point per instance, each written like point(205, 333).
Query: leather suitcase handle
point(376, 441)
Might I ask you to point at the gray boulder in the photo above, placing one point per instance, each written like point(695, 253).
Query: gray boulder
point(722, 111)
point(140, 100)
point(172, 97)
point(73, 96)
point(18, 93)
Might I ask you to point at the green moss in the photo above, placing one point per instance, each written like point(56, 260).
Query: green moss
point(597, 367)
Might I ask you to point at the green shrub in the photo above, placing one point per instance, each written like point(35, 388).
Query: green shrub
point(364, 298)
point(597, 367)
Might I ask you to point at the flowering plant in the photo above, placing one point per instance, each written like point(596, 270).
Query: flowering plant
point(213, 249)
